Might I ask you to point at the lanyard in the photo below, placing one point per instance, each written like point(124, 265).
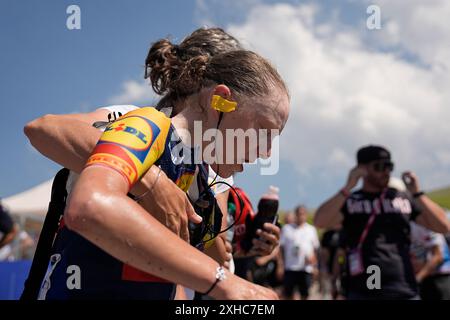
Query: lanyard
point(371, 220)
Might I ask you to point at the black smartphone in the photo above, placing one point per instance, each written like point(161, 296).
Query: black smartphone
point(267, 212)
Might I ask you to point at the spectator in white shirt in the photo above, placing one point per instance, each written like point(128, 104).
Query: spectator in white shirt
point(299, 244)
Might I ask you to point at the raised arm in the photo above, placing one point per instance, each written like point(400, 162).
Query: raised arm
point(69, 140)
point(433, 216)
point(329, 214)
point(66, 139)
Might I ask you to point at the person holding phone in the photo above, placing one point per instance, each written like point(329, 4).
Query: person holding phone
point(253, 233)
point(376, 226)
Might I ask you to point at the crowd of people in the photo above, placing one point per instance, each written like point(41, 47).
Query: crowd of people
point(142, 222)
point(382, 241)
point(15, 242)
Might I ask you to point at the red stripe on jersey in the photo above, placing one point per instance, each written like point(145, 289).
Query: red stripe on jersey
point(130, 273)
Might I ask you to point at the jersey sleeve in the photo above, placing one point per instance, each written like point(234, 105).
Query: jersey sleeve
point(132, 144)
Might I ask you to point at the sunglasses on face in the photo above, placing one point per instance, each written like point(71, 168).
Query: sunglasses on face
point(381, 166)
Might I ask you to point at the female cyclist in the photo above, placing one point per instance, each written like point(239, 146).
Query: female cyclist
point(98, 206)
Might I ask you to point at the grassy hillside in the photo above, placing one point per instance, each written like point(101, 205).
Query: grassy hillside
point(441, 196)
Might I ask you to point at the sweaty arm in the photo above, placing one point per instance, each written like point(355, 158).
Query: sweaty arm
point(69, 140)
point(99, 210)
point(66, 139)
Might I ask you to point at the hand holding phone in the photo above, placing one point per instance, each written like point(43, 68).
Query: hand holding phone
point(267, 213)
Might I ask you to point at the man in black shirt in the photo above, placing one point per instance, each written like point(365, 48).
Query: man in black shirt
point(375, 227)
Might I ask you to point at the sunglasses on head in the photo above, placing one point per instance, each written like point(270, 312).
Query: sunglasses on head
point(381, 166)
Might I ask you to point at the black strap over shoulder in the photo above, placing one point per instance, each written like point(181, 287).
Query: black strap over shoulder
point(44, 247)
point(206, 206)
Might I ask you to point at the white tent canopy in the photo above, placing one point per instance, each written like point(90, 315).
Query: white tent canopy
point(30, 203)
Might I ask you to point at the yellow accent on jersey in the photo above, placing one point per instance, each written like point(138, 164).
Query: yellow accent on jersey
point(137, 138)
point(185, 181)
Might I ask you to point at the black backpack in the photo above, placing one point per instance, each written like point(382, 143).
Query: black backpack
point(43, 252)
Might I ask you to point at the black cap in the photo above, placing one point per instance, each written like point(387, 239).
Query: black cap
point(371, 153)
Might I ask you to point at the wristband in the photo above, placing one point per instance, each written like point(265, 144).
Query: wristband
point(220, 276)
point(344, 193)
point(418, 194)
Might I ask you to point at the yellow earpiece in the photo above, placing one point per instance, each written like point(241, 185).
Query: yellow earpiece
point(223, 105)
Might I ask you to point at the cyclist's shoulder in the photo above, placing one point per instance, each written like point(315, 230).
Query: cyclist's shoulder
point(147, 117)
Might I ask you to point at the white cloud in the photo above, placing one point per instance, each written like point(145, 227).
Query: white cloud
point(134, 92)
point(346, 94)
point(349, 86)
point(420, 27)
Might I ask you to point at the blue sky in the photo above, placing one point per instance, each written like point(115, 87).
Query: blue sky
point(320, 47)
point(47, 68)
